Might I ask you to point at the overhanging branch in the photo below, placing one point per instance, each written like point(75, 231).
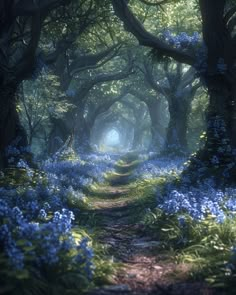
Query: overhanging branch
point(102, 78)
point(134, 26)
point(86, 61)
point(229, 14)
point(157, 3)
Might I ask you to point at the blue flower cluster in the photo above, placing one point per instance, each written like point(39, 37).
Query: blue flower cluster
point(14, 152)
point(67, 173)
point(60, 187)
point(36, 222)
point(84, 257)
point(160, 167)
point(182, 40)
point(27, 242)
point(80, 173)
point(199, 202)
point(22, 164)
point(32, 200)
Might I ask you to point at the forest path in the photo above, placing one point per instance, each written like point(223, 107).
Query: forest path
point(145, 268)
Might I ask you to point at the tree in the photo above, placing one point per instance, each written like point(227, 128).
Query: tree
point(134, 112)
point(124, 116)
point(21, 24)
point(140, 121)
point(67, 67)
point(75, 121)
point(215, 61)
point(140, 87)
point(176, 85)
point(155, 108)
point(40, 100)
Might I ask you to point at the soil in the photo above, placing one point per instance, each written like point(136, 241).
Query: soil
point(145, 268)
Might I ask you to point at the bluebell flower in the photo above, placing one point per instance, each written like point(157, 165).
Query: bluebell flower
point(22, 164)
point(42, 214)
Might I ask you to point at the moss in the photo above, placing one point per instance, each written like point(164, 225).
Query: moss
point(17, 177)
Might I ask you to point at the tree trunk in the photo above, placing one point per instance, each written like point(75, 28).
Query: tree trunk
point(11, 130)
point(137, 141)
point(217, 157)
point(219, 121)
point(232, 115)
point(176, 139)
point(157, 128)
point(82, 133)
point(73, 123)
point(58, 135)
point(158, 138)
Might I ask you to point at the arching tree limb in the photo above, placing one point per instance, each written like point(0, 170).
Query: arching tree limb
point(134, 26)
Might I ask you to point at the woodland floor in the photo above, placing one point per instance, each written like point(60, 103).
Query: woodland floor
point(144, 268)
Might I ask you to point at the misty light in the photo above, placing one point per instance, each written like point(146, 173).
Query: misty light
point(112, 138)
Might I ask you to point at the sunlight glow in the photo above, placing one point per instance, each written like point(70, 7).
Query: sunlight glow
point(112, 138)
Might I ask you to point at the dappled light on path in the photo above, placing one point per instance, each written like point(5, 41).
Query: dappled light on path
point(144, 267)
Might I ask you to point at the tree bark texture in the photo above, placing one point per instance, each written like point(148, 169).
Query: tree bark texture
point(11, 130)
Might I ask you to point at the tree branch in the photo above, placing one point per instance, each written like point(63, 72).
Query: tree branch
point(102, 78)
point(61, 47)
point(151, 81)
point(134, 26)
point(158, 3)
point(86, 61)
point(104, 107)
point(229, 14)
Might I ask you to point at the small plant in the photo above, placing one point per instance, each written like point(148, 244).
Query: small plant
point(200, 225)
point(44, 251)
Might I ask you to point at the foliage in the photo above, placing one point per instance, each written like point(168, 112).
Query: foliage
point(181, 40)
point(41, 100)
point(160, 167)
point(199, 224)
point(36, 247)
point(181, 15)
point(41, 250)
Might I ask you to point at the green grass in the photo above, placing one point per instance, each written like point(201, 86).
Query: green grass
point(205, 245)
point(143, 194)
point(18, 177)
point(210, 250)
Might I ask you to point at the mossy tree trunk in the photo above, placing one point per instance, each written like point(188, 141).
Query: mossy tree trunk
point(11, 130)
point(219, 151)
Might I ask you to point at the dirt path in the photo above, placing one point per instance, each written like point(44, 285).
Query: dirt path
point(145, 268)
